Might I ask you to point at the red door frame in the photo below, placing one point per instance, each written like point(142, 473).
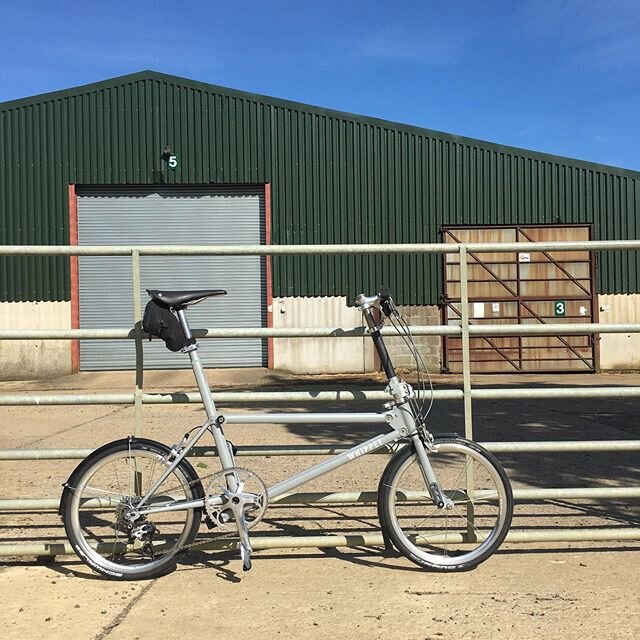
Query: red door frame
point(75, 284)
point(268, 271)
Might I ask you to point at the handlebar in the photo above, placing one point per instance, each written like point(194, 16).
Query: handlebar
point(381, 300)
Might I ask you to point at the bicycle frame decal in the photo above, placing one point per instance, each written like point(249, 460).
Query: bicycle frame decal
point(376, 444)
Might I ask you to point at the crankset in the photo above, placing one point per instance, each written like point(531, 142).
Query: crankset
point(244, 501)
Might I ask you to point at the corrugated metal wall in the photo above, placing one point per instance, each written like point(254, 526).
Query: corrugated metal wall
point(335, 178)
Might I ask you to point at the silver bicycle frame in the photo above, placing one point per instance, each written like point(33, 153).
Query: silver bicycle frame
point(399, 419)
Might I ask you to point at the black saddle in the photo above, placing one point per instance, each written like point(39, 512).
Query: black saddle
point(183, 298)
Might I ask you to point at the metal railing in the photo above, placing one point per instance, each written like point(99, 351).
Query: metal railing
point(467, 394)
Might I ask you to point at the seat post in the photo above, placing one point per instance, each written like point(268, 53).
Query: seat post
point(198, 369)
point(182, 316)
point(203, 385)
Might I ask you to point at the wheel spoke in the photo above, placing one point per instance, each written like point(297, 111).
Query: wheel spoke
point(115, 470)
point(426, 517)
point(104, 492)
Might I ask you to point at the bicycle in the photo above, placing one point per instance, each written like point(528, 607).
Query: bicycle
point(134, 504)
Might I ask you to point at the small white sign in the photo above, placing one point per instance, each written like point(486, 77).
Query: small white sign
point(495, 307)
point(478, 309)
point(583, 311)
point(524, 257)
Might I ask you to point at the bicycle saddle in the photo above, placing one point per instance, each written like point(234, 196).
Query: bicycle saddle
point(183, 298)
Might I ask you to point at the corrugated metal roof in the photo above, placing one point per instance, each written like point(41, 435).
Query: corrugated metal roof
point(336, 177)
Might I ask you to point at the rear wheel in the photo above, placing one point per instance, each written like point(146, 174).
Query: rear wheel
point(446, 539)
point(102, 495)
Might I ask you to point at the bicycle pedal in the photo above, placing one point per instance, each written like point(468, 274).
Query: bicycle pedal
point(211, 524)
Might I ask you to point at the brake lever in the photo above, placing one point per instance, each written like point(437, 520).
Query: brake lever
point(386, 302)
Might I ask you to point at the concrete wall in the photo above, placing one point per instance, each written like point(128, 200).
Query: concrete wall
point(619, 350)
point(25, 359)
point(320, 355)
point(430, 347)
point(345, 355)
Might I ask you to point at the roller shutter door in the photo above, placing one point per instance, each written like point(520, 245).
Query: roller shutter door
point(172, 215)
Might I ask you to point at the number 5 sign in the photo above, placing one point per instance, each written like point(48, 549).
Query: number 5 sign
point(172, 161)
point(560, 308)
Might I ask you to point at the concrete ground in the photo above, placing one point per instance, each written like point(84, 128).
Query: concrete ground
point(553, 590)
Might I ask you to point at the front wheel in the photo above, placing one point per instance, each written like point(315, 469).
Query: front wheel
point(101, 495)
point(446, 539)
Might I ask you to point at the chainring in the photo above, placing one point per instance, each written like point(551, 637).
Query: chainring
point(250, 490)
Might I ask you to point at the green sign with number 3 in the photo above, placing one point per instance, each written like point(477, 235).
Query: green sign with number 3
point(560, 308)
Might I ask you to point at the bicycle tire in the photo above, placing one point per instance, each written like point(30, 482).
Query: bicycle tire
point(115, 477)
point(446, 540)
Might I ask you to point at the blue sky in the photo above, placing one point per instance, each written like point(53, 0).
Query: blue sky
point(560, 76)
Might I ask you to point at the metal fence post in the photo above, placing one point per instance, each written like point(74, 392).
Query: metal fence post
point(466, 359)
point(466, 377)
point(137, 318)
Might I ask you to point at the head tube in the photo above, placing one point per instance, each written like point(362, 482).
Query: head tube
point(367, 304)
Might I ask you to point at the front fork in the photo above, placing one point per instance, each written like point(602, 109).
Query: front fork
point(403, 392)
point(407, 426)
point(433, 486)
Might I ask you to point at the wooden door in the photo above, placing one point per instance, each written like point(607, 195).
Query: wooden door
point(523, 287)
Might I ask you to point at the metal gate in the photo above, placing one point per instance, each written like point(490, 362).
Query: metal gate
point(522, 287)
point(148, 215)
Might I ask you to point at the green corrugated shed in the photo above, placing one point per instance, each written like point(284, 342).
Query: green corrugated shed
point(336, 178)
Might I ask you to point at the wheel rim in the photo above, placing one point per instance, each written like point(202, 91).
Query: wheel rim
point(105, 491)
point(443, 537)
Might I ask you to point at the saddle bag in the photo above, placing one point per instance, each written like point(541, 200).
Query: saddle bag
point(161, 322)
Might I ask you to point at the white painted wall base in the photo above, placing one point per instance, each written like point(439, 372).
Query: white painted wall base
point(619, 350)
point(25, 359)
point(320, 355)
